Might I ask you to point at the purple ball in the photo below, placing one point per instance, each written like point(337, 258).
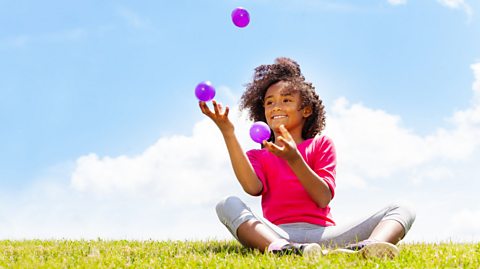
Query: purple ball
point(240, 17)
point(205, 91)
point(259, 131)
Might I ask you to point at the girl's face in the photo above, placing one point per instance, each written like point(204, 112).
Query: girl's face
point(282, 107)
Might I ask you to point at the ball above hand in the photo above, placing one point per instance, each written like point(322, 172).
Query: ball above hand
point(205, 91)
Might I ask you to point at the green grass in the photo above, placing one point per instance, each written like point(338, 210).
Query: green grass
point(215, 254)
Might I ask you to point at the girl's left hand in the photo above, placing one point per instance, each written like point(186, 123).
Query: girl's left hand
point(287, 148)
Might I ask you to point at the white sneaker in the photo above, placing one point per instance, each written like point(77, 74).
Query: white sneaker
point(311, 250)
point(383, 250)
point(369, 249)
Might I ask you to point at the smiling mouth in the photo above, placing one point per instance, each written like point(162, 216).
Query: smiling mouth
point(278, 117)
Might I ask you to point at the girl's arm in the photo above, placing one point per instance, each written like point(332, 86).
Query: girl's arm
point(315, 186)
point(241, 165)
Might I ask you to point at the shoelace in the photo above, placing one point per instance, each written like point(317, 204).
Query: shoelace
point(289, 249)
point(358, 246)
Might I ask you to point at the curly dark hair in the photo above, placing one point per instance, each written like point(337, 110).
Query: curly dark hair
point(287, 70)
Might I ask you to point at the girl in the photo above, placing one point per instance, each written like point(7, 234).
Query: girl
point(294, 172)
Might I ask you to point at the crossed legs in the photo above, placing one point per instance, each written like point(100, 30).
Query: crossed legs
point(387, 225)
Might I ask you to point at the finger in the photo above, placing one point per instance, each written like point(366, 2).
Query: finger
point(285, 132)
point(282, 142)
point(203, 107)
point(215, 107)
point(286, 143)
point(272, 147)
point(207, 111)
point(269, 147)
point(227, 109)
point(220, 107)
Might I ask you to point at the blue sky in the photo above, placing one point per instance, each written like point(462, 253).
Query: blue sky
point(97, 106)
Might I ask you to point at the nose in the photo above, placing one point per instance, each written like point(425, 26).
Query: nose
point(276, 107)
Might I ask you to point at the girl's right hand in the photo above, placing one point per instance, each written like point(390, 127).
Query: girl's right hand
point(219, 115)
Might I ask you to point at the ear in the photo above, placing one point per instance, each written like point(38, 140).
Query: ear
point(307, 111)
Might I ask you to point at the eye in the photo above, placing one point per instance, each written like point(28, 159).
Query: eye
point(268, 103)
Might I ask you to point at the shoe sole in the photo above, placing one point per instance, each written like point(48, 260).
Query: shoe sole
point(381, 250)
point(312, 250)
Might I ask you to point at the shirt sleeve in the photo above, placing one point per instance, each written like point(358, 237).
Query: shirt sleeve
point(326, 161)
point(254, 156)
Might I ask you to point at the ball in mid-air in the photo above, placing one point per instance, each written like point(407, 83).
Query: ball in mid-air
point(205, 91)
point(240, 17)
point(260, 131)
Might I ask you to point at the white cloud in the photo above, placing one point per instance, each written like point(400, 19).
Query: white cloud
point(453, 4)
point(381, 161)
point(467, 221)
point(364, 137)
point(458, 4)
point(132, 18)
point(397, 2)
point(178, 169)
point(169, 190)
point(372, 144)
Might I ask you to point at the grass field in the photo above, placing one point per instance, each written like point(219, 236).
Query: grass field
point(215, 254)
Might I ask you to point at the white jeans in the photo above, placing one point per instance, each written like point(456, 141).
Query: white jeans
point(232, 212)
